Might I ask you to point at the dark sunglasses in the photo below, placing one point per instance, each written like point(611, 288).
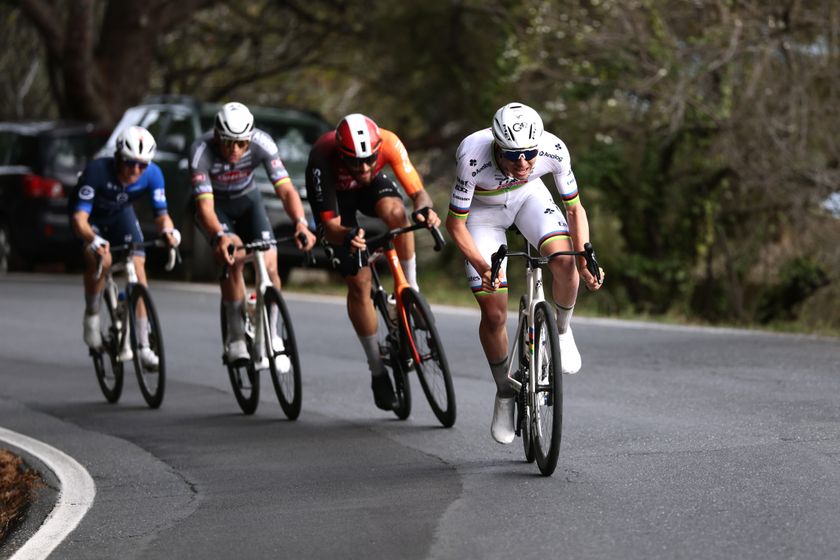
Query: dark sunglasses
point(132, 163)
point(358, 162)
point(241, 144)
point(514, 155)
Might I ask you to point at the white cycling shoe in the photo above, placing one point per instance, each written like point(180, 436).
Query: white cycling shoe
point(281, 361)
point(92, 336)
point(237, 352)
point(148, 358)
point(502, 427)
point(569, 356)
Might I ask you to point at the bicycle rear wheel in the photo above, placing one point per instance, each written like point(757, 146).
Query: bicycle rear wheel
point(244, 379)
point(548, 399)
point(521, 355)
point(152, 380)
point(388, 337)
point(109, 372)
point(286, 375)
point(432, 367)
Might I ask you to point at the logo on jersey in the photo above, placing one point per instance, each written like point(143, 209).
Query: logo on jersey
point(275, 163)
point(160, 196)
point(551, 155)
point(122, 198)
point(198, 178)
point(558, 147)
point(473, 163)
point(86, 193)
point(480, 169)
point(459, 188)
point(549, 211)
point(232, 176)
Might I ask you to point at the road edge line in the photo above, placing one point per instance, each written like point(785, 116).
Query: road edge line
point(76, 494)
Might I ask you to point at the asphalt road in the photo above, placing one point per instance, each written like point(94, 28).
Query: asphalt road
point(678, 443)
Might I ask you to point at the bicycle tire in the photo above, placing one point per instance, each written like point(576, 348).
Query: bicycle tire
point(433, 367)
point(244, 379)
point(286, 385)
point(387, 337)
point(152, 382)
point(547, 406)
point(522, 357)
point(109, 372)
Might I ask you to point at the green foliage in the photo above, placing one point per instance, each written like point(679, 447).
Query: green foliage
point(799, 279)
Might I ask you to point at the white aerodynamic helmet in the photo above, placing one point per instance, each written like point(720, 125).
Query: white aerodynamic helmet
point(135, 143)
point(234, 122)
point(517, 127)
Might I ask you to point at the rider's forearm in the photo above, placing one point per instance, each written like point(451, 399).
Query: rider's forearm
point(291, 202)
point(422, 199)
point(578, 226)
point(81, 226)
point(206, 215)
point(164, 222)
point(334, 232)
point(461, 236)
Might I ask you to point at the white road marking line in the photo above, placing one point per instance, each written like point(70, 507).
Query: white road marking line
point(76, 493)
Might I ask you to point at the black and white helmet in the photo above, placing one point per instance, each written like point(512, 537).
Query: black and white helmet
point(234, 122)
point(135, 143)
point(517, 127)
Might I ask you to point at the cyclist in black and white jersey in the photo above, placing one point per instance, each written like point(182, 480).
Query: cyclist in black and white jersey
point(230, 210)
point(499, 184)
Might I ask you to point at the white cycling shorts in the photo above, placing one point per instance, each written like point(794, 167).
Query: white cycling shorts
point(533, 211)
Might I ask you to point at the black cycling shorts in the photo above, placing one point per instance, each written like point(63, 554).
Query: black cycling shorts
point(363, 200)
point(244, 215)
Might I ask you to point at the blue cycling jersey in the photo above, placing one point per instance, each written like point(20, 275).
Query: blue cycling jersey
point(100, 193)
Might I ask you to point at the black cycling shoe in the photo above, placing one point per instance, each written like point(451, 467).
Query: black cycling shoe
point(383, 392)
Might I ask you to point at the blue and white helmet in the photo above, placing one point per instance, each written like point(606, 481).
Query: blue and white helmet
point(234, 122)
point(517, 127)
point(135, 143)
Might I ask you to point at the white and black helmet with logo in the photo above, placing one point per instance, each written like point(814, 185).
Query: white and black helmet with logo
point(135, 143)
point(517, 127)
point(234, 122)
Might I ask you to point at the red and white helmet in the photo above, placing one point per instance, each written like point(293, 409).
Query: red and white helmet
point(358, 136)
point(135, 143)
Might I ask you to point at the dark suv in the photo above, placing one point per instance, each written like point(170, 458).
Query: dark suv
point(39, 164)
point(175, 122)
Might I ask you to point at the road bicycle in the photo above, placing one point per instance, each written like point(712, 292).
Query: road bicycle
point(269, 337)
point(407, 335)
point(534, 359)
point(118, 320)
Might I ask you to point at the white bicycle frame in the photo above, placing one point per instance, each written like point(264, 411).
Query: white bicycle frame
point(533, 296)
point(257, 332)
point(111, 292)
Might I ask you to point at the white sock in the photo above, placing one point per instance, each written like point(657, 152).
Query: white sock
point(410, 269)
point(143, 331)
point(233, 312)
point(564, 317)
point(370, 345)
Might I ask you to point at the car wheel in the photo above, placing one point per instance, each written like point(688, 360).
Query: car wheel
point(5, 248)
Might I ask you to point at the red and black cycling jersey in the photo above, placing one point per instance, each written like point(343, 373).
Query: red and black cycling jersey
point(327, 174)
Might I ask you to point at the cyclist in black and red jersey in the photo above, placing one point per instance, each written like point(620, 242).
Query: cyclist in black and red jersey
point(345, 174)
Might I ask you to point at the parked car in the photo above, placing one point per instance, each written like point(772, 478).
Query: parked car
point(39, 164)
point(175, 122)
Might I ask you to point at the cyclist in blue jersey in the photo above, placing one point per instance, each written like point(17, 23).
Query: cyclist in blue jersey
point(102, 214)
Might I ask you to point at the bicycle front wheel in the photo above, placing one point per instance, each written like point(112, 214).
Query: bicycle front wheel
point(283, 362)
point(388, 338)
point(109, 371)
point(244, 379)
point(432, 367)
point(150, 375)
point(547, 409)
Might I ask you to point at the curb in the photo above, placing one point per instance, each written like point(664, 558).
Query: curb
point(76, 493)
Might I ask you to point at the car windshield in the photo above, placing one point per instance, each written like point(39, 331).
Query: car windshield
point(16, 149)
point(66, 156)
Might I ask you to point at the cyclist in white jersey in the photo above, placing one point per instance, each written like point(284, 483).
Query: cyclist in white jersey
point(499, 184)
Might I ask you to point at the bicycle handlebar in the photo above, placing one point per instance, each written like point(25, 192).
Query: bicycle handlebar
point(172, 259)
point(588, 253)
point(383, 239)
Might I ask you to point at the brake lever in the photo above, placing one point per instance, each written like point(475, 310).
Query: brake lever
point(496, 262)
